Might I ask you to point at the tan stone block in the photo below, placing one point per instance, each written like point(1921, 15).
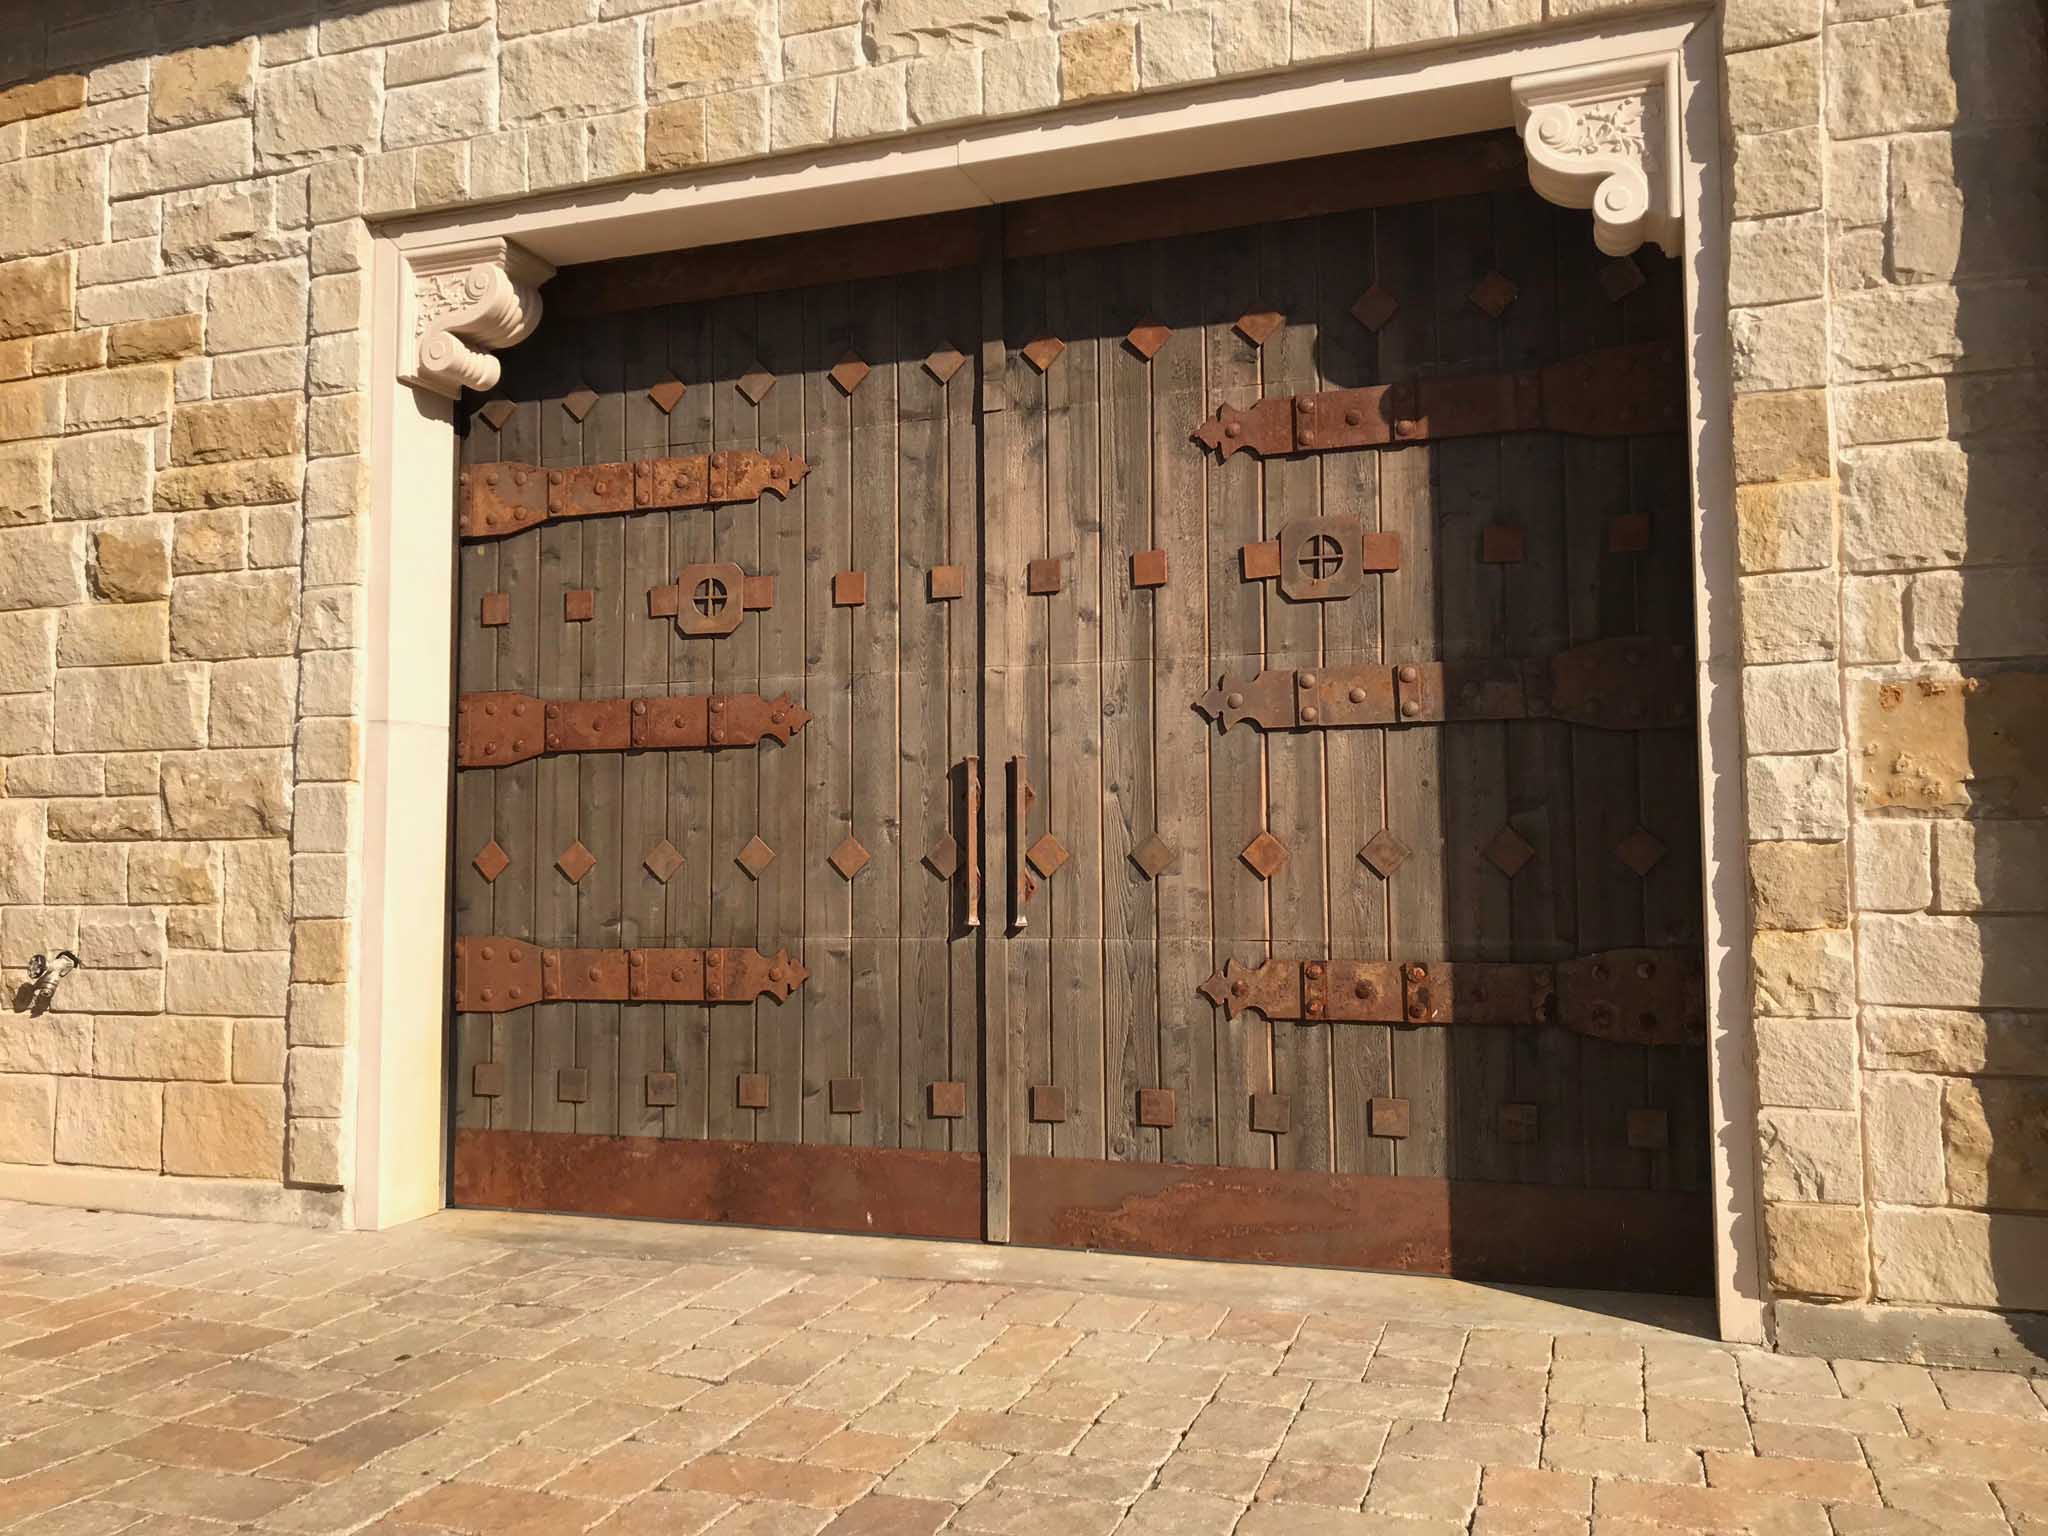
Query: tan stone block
point(1992, 866)
point(131, 708)
point(1100, 60)
point(174, 874)
point(257, 911)
point(126, 634)
point(897, 28)
point(334, 423)
point(41, 98)
point(274, 537)
point(1961, 1258)
point(1996, 1135)
point(1806, 1063)
point(31, 409)
point(319, 1015)
point(1804, 974)
point(329, 683)
point(192, 927)
point(1902, 1124)
point(584, 71)
point(1780, 346)
point(259, 1051)
point(1790, 617)
point(319, 109)
point(1781, 436)
point(134, 773)
point(1773, 89)
point(251, 307)
point(323, 815)
point(1794, 707)
point(263, 427)
point(1891, 73)
point(173, 1049)
point(392, 23)
point(314, 1153)
point(1795, 886)
point(93, 989)
point(224, 1130)
point(946, 88)
point(329, 750)
point(800, 112)
point(35, 296)
point(321, 951)
point(252, 985)
point(181, 158)
point(115, 819)
point(1777, 173)
point(870, 102)
point(205, 543)
point(25, 726)
point(70, 352)
point(253, 704)
point(85, 872)
point(53, 203)
point(104, 475)
point(1810, 1156)
point(441, 176)
point(24, 484)
point(202, 85)
point(1951, 962)
point(1891, 413)
point(320, 885)
point(1873, 619)
point(234, 614)
point(1817, 1250)
point(437, 58)
point(242, 793)
point(253, 483)
point(314, 1082)
point(77, 773)
point(28, 1118)
point(1893, 866)
point(1759, 23)
point(1020, 76)
point(225, 227)
point(675, 135)
point(51, 1043)
point(28, 655)
point(132, 564)
point(447, 110)
point(109, 1124)
point(1773, 261)
point(120, 397)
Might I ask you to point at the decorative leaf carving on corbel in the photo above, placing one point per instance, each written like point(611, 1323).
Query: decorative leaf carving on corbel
point(1605, 137)
point(461, 300)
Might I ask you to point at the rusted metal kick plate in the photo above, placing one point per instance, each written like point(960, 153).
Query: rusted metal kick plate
point(498, 499)
point(495, 975)
point(494, 730)
point(1636, 996)
point(1622, 684)
point(1613, 392)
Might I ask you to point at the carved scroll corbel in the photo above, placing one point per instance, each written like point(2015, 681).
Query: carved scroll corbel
point(459, 302)
point(1605, 137)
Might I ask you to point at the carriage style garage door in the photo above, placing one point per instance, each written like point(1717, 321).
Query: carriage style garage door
point(1156, 720)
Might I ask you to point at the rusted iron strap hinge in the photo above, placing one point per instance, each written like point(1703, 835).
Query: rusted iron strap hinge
point(498, 499)
point(1622, 684)
point(496, 975)
point(1613, 392)
point(1635, 996)
point(495, 730)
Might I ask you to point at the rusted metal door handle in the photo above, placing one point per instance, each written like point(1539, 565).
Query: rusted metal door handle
point(1022, 886)
point(970, 838)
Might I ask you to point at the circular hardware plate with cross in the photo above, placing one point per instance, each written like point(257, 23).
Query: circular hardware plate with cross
point(1320, 558)
point(710, 599)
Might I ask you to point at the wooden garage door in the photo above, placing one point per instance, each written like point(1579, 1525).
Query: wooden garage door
point(1316, 700)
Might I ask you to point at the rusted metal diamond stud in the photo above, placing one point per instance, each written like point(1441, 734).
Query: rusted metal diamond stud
point(668, 394)
point(497, 413)
point(1155, 857)
point(1384, 853)
point(1265, 854)
point(1374, 308)
point(1509, 851)
point(850, 858)
point(848, 373)
point(1147, 338)
point(663, 861)
point(1494, 293)
point(491, 861)
point(756, 856)
point(1257, 326)
point(1640, 850)
point(1620, 278)
point(943, 857)
point(755, 384)
point(576, 861)
point(579, 402)
point(1044, 352)
point(944, 363)
point(1047, 855)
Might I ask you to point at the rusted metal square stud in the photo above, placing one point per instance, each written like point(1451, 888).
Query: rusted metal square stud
point(497, 413)
point(1628, 533)
point(491, 861)
point(756, 856)
point(850, 858)
point(849, 589)
point(943, 857)
point(1519, 1124)
point(1156, 1107)
point(661, 1090)
point(1384, 853)
point(848, 373)
point(1042, 578)
point(1621, 277)
point(1257, 326)
point(944, 363)
point(1043, 352)
point(667, 395)
point(1148, 568)
point(1494, 293)
point(1501, 544)
point(496, 609)
point(1642, 850)
point(1048, 1103)
point(1147, 338)
point(755, 384)
point(487, 1080)
point(663, 861)
point(947, 1101)
point(576, 861)
point(1261, 561)
point(1047, 855)
point(945, 583)
point(572, 1085)
point(579, 605)
point(1509, 852)
point(1649, 1130)
point(750, 1091)
point(1388, 1118)
point(1155, 856)
point(662, 602)
point(1374, 308)
point(757, 593)
point(579, 402)
point(1265, 855)
point(1272, 1113)
point(846, 1095)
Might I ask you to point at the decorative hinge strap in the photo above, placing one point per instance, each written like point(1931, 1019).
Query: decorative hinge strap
point(495, 730)
point(1633, 996)
point(1614, 392)
point(498, 499)
point(495, 975)
point(1625, 684)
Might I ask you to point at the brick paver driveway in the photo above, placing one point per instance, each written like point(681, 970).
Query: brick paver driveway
point(482, 1374)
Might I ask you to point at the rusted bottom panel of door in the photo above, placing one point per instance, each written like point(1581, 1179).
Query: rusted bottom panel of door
point(902, 1193)
point(1521, 1234)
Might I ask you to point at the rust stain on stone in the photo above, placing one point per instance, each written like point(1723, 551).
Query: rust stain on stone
point(1932, 743)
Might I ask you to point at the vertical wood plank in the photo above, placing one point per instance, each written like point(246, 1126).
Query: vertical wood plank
point(476, 663)
point(996, 470)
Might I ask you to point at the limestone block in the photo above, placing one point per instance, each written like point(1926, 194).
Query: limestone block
point(822, 53)
point(345, 247)
point(116, 709)
point(180, 158)
point(332, 618)
point(69, 353)
point(1952, 962)
point(1873, 619)
point(234, 614)
point(314, 1153)
point(263, 427)
point(1774, 261)
point(1176, 48)
point(1020, 76)
point(119, 397)
point(41, 98)
point(28, 655)
point(816, 15)
point(444, 112)
point(320, 885)
point(1759, 23)
point(1817, 1250)
point(167, 1049)
point(257, 911)
point(243, 793)
point(259, 1051)
point(23, 826)
point(35, 296)
point(319, 1015)
point(1781, 436)
point(28, 1118)
point(202, 85)
point(78, 773)
point(25, 726)
point(1961, 1258)
point(118, 635)
point(1322, 29)
point(322, 816)
point(579, 72)
point(261, 482)
point(250, 307)
point(1996, 1134)
point(1099, 60)
point(675, 135)
point(313, 111)
point(1905, 507)
point(1777, 173)
point(1781, 346)
point(134, 773)
point(1991, 866)
point(329, 750)
point(1806, 1063)
point(53, 203)
point(1810, 1156)
point(1906, 411)
point(1981, 614)
point(107, 474)
point(41, 567)
point(24, 484)
point(2001, 403)
point(131, 563)
point(224, 1130)
point(51, 1043)
point(1804, 798)
point(1804, 974)
point(800, 112)
point(1895, 333)
point(1773, 89)
point(390, 23)
point(207, 542)
point(321, 951)
point(1890, 73)
point(1893, 866)
point(1251, 36)
point(31, 409)
point(174, 874)
point(1796, 707)
point(314, 1082)
point(252, 985)
point(337, 301)
point(108, 989)
point(85, 872)
point(1798, 886)
point(1902, 1128)
point(434, 58)
point(253, 703)
point(122, 819)
point(1790, 617)
point(334, 422)
point(328, 683)
point(120, 261)
point(1937, 743)
point(896, 28)
point(192, 927)
point(109, 1124)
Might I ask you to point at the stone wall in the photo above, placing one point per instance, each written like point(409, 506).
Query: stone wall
point(187, 191)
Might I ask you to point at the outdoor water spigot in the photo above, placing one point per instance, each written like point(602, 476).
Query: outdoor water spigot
point(45, 971)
